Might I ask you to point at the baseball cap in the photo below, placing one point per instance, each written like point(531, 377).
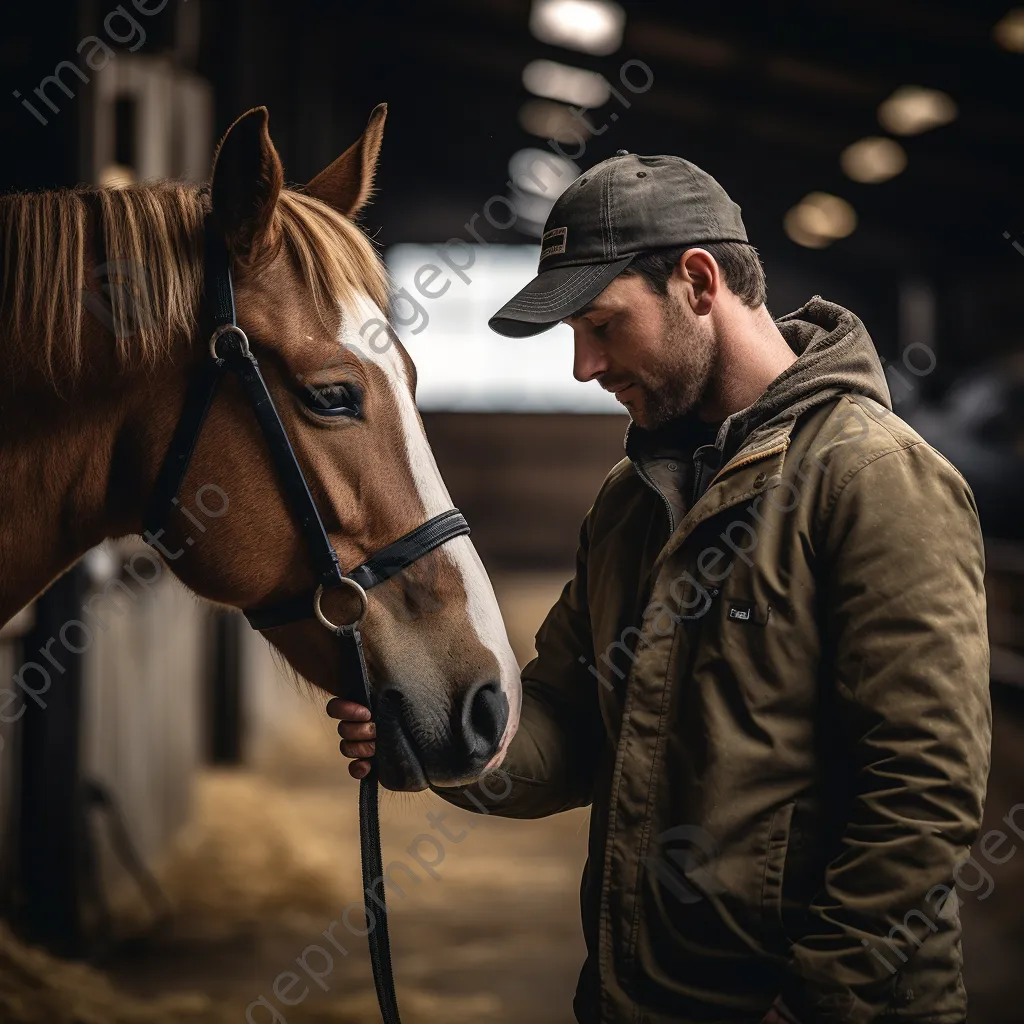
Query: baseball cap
point(623, 206)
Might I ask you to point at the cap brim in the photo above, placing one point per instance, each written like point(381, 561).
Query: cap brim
point(552, 296)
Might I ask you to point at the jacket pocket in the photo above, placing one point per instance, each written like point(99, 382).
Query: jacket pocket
point(771, 882)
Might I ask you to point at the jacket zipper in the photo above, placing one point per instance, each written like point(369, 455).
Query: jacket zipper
point(700, 465)
point(642, 473)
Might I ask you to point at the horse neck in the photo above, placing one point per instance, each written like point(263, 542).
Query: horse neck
point(74, 424)
point(63, 475)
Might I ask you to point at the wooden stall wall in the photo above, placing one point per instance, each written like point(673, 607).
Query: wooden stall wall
point(133, 644)
point(143, 715)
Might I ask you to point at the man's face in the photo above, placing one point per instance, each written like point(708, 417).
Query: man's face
point(654, 353)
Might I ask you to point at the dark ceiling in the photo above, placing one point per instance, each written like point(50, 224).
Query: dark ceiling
point(765, 96)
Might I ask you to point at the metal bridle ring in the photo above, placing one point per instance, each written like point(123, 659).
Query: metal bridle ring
point(318, 611)
point(228, 329)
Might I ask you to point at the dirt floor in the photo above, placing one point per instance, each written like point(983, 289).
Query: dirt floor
point(272, 864)
point(487, 930)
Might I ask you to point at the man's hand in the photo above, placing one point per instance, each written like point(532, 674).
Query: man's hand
point(357, 734)
point(779, 1013)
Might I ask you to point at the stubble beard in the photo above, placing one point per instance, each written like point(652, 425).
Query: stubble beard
point(678, 386)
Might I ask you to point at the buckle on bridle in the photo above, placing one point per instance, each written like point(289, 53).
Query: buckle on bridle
point(229, 329)
point(318, 611)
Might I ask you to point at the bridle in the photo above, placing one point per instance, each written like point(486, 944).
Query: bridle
point(230, 353)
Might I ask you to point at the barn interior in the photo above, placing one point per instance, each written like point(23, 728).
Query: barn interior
point(177, 827)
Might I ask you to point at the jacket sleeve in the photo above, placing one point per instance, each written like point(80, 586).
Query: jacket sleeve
point(551, 761)
point(903, 564)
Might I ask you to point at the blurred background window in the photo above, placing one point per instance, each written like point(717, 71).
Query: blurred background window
point(461, 364)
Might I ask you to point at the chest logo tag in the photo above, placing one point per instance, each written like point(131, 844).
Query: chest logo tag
point(749, 612)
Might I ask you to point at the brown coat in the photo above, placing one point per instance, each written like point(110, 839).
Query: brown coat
point(771, 683)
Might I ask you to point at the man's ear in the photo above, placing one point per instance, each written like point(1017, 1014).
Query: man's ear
point(246, 182)
point(347, 184)
point(700, 275)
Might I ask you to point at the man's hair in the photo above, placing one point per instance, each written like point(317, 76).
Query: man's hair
point(741, 269)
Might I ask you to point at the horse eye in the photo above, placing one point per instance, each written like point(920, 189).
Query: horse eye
point(333, 400)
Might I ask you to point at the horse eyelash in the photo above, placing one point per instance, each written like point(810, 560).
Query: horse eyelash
point(316, 396)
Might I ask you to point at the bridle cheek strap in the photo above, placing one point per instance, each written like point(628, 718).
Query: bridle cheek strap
point(229, 352)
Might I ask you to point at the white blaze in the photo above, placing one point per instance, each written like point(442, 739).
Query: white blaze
point(362, 334)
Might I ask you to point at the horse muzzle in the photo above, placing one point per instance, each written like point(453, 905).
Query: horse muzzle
point(418, 747)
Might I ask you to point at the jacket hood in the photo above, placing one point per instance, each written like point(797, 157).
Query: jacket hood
point(835, 356)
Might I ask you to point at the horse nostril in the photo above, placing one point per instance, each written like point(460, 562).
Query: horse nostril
point(484, 717)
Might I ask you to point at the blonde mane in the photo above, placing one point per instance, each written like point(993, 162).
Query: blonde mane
point(151, 236)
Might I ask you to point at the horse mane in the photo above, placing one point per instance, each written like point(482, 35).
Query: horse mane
point(151, 235)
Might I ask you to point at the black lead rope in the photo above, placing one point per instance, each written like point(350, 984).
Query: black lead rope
point(372, 861)
point(230, 353)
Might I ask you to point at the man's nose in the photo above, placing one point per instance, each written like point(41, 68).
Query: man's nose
point(588, 359)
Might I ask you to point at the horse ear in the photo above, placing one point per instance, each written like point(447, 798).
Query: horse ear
point(247, 179)
point(348, 183)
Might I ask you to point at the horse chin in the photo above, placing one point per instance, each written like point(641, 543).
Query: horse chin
point(398, 765)
point(402, 776)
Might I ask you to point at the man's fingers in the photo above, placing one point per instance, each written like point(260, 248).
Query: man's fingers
point(357, 749)
point(357, 734)
point(347, 710)
point(357, 731)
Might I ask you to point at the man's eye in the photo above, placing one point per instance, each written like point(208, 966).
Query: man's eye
point(333, 400)
point(601, 329)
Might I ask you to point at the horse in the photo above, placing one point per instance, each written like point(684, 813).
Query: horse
point(94, 384)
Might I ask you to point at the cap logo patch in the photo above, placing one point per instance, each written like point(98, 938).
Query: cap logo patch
point(556, 236)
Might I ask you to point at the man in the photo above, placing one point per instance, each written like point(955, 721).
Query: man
point(769, 676)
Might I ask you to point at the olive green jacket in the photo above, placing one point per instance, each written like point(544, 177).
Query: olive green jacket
point(770, 681)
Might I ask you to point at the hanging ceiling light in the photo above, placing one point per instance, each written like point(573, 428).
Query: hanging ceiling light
point(556, 81)
point(537, 177)
point(819, 219)
point(593, 26)
point(873, 160)
point(551, 121)
point(1009, 30)
point(541, 172)
point(913, 109)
